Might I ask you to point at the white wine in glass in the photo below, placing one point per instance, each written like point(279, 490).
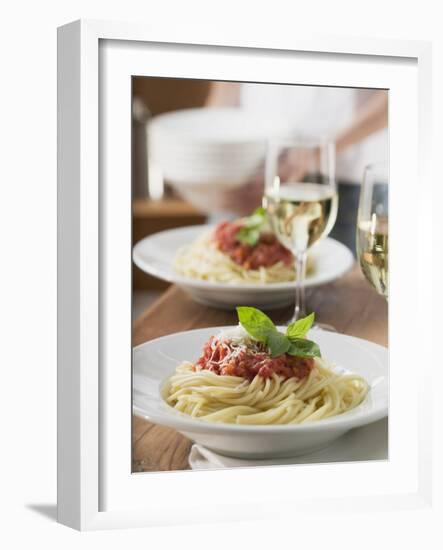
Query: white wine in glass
point(301, 200)
point(373, 227)
point(301, 214)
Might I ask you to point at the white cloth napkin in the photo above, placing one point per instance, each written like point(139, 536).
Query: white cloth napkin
point(367, 443)
point(201, 458)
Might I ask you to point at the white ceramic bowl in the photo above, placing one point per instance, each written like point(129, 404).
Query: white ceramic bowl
point(155, 255)
point(220, 146)
point(156, 360)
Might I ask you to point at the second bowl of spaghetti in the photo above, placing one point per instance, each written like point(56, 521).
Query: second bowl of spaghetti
point(211, 265)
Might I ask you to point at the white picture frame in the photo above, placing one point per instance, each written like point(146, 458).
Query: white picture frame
point(96, 489)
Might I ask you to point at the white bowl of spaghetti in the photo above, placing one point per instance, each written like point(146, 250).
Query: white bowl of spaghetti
point(188, 257)
point(271, 414)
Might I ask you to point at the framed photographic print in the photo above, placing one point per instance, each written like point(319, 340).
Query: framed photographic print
point(229, 322)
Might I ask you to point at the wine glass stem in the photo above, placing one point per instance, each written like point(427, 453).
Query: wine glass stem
point(300, 270)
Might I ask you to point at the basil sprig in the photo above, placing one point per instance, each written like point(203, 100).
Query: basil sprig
point(249, 233)
point(258, 325)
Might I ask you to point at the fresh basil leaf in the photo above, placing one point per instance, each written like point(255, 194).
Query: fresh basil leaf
point(257, 218)
point(256, 323)
point(248, 236)
point(300, 347)
point(299, 328)
point(278, 343)
point(249, 233)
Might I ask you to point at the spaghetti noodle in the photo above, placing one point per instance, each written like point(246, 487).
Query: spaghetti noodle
point(203, 260)
point(280, 390)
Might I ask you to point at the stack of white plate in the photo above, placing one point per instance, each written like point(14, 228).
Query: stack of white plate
point(203, 151)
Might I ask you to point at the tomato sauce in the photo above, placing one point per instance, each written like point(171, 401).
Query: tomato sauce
point(267, 252)
point(226, 358)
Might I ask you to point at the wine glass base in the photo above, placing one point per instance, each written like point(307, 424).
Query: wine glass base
point(323, 326)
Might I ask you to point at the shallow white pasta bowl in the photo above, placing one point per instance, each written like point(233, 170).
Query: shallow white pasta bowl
point(155, 361)
point(155, 255)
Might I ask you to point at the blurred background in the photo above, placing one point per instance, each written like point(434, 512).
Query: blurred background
point(155, 210)
point(198, 150)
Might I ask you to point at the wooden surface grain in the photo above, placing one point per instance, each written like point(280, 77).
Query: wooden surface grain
point(349, 304)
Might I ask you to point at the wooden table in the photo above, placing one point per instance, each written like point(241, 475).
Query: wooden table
point(349, 304)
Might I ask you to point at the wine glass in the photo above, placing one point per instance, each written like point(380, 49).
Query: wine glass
point(301, 200)
point(372, 227)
